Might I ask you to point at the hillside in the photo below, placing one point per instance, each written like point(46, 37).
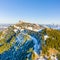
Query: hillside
point(29, 41)
point(19, 43)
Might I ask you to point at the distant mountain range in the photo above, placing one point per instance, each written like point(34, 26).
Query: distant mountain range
point(53, 26)
point(29, 25)
point(4, 26)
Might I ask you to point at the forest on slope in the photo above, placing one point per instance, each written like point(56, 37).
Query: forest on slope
point(51, 43)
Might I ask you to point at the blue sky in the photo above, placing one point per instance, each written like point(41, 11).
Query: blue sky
point(35, 11)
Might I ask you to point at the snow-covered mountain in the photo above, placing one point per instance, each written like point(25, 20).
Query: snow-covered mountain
point(27, 41)
point(20, 42)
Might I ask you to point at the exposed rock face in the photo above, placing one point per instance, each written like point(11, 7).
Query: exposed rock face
point(30, 26)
